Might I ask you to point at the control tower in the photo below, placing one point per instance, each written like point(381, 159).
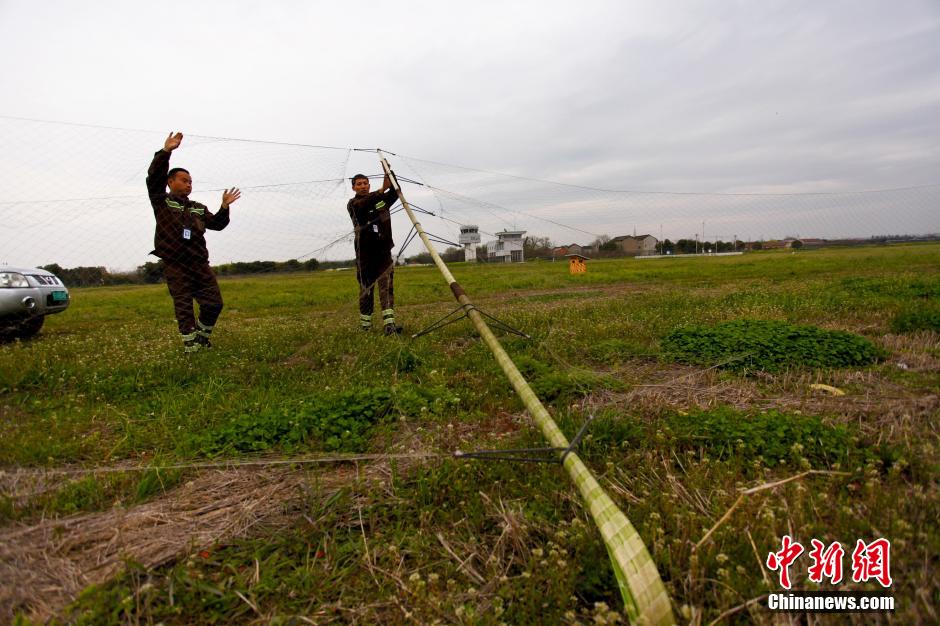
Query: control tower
point(469, 239)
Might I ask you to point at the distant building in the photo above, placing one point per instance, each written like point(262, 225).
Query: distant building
point(507, 248)
point(636, 245)
point(578, 249)
point(469, 239)
point(813, 242)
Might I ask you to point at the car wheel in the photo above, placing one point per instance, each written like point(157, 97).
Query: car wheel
point(28, 328)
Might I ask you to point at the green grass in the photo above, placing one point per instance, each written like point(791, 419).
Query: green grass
point(107, 382)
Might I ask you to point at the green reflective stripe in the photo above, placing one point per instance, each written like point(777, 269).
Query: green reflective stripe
point(190, 337)
point(365, 318)
point(379, 205)
point(202, 326)
point(196, 209)
point(388, 313)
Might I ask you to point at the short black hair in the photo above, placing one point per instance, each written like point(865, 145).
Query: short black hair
point(357, 177)
point(176, 170)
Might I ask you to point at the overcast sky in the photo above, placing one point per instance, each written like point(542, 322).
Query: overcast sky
point(709, 96)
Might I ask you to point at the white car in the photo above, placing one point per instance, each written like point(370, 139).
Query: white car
point(27, 296)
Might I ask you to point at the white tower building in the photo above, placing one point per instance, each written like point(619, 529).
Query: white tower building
point(469, 239)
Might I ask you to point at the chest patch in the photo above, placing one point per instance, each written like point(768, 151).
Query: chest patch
point(379, 205)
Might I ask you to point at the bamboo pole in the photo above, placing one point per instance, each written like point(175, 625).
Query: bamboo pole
point(644, 595)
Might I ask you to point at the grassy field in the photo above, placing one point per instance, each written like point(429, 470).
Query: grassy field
point(425, 540)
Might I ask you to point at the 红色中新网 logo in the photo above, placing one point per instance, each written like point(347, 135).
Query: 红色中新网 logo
point(869, 561)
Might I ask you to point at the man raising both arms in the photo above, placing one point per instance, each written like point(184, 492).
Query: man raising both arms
point(372, 221)
point(180, 241)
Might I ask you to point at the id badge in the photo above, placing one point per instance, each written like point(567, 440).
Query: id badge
point(375, 228)
point(187, 234)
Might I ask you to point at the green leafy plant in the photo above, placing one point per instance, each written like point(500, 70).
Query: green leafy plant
point(767, 345)
point(339, 421)
point(772, 435)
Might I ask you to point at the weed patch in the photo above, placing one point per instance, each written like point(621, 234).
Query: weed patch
point(555, 385)
point(771, 346)
point(335, 422)
point(616, 351)
point(912, 321)
point(775, 437)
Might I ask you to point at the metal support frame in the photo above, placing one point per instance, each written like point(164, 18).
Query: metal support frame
point(464, 310)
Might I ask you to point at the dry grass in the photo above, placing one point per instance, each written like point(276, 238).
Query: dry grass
point(43, 566)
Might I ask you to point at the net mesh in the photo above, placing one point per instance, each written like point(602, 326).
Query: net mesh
point(576, 214)
point(74, 195)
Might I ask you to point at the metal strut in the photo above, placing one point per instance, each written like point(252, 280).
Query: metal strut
point(546, 455)
point(412, 233)
point(464, 310)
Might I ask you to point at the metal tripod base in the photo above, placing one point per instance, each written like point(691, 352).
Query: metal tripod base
point(460, 313)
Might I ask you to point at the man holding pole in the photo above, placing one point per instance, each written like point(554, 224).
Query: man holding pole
point(369, 212)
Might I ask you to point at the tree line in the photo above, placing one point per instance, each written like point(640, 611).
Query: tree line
point(152, 271)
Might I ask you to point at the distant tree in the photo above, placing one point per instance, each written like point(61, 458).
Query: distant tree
point(452, 255)
point(687, 246)
point(293, 265)
point(600, 241)
point(797, 244)
point(758, 245)
point(423, 257)
point(151, 272)
point(537, 246)
point(665, 247)
point(311, 265)
point(85, 276)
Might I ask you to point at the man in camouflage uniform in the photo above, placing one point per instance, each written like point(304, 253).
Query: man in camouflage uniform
point(369, 212)
point(180, 241)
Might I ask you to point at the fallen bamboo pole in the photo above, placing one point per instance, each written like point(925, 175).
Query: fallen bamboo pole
point(644, 595)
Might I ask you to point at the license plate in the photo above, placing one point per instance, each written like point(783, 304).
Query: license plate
point(60, 296)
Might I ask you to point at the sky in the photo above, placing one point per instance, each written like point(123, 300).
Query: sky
point(716, 97)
